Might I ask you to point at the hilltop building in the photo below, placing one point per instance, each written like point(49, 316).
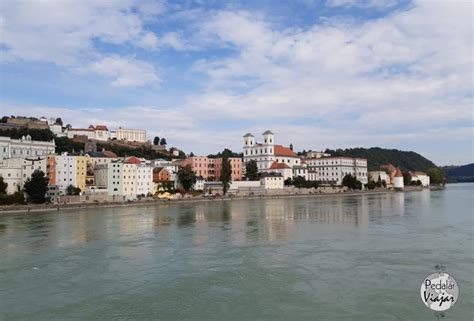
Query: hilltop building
point(102, 133)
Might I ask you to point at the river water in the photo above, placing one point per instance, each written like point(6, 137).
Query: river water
point(328, 258)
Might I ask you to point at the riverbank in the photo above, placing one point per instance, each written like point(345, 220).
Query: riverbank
point(56, 207)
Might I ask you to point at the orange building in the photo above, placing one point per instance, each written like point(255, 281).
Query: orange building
point(51, 169)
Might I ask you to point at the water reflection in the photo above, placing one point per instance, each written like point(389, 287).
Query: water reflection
point(243, 220)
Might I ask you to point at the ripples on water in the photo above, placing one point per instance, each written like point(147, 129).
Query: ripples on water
point(331, 258)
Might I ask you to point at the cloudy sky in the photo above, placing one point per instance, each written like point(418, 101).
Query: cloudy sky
point(319, 73)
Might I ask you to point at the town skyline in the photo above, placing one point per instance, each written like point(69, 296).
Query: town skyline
point(335, 74)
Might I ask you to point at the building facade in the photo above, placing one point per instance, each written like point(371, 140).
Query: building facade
point(66, 171)
point(331, 170)
point(144, 180)
point(131, 135)
point(25, 148)
point(211, 168)
point(273, 158)
point(267, 152)
point(124, 180)
point(420, 176)
point(272, 181)
point(15, 171)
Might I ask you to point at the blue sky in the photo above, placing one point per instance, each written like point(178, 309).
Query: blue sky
point(320, 74)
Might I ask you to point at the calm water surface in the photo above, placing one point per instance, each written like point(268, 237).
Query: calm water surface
point(333, 258)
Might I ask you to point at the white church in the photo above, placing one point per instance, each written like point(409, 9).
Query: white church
point(268, 155)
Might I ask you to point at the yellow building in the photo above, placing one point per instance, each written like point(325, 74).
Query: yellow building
point(81, 172)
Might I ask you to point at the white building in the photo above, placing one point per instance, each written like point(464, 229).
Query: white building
point(66, 171)
point(144, 180)
point(131, 135)
point(124, 181)
point(101, 132)
point(199, 185)
point(88, 132)
point(380, 175)
point(398, 179)
point(267, 152)
point(301, 170)
point(55, 128)
point(280, 168)
point(313, 154)
point(24, 147)
point(331, 170)
point(272, 181)
point(15, 171)
point(420, 176)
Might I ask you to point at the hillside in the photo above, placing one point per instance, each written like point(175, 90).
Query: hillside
point(406, 160)
point(463, 173)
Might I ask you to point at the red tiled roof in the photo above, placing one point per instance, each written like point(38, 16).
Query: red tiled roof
point(81, 129)
point(108, 153)
point(398, 173)
point(276, 165)
point(284, 151)
point(132, 160)
point(101, 127)
point(388, 168)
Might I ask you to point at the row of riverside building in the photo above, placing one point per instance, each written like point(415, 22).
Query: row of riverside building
point(113, 178)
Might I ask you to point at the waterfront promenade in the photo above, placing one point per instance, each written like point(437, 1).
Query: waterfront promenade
point(146, 202)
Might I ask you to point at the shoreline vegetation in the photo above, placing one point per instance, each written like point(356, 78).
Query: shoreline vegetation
point(32, 208)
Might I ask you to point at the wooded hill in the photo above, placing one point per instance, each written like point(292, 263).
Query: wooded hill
point(463, 173)
point(376, 156)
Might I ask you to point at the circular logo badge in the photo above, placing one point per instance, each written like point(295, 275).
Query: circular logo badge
point(439, 291)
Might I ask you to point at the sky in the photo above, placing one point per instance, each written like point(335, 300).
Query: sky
point(318, 73)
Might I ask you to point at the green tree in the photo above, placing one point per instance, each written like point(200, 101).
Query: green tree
point(73, 190)
point(437, 176)
point(59, 121)
point(226, 174)
point(163, 141)
point(156, 140)
point(251, 170)
point(36, 186)
point(3, 186)
point(406, 178)
point(351, 182)
point(186, 177)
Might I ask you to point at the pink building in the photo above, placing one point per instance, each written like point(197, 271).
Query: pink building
point(210, 168)
point(235, 165)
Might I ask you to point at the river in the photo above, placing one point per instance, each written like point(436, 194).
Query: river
point(314, 258)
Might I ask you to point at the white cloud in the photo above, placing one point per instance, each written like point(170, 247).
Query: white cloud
point(416, 62)
point(172, 40)
point(401, 80)
point(67, 33)
point(125, 71)
point(377, 4)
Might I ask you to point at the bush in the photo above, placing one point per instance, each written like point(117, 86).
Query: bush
point(15, 198)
